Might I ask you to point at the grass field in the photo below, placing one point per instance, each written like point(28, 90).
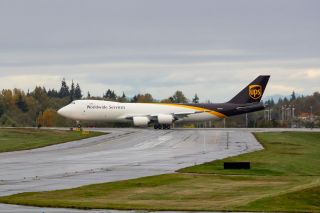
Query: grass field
point(284, 177)
point(23, 139)
point(284, 154)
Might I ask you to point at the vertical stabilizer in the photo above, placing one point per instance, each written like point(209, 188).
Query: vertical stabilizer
point(253, 92)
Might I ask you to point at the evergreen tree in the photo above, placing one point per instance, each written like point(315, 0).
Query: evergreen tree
point(293, 96)
point(1, 107)
point(49, 93)
point(77, 92)
point(53, 93)
point(195, 99)
point(272, 103)
point(107, 95)
point(134, 99)
point(178, 97)
point(123, 98)
point(113, 96)
point(72, 92)
point(110, 95)
point(64, 90)
point(88, 95)
point(21, 103)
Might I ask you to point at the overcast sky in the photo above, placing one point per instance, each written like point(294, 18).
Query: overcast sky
point(213, 48)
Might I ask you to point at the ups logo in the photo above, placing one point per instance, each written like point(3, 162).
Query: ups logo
point(255, 91)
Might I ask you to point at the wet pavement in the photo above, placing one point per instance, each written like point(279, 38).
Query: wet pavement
point(122, 154)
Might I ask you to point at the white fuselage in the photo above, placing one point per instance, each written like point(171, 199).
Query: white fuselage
point(98, 110)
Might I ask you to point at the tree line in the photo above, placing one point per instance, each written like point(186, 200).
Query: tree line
point(297, 104)
point(177, 97)
point(39, 107)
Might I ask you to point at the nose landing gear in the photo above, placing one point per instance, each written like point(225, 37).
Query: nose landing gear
point(79, 126)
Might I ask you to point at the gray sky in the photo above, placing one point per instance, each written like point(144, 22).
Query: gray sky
point(213, 48)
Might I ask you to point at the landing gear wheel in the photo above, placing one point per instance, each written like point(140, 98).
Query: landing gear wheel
point(162, 126)
point(79, 125)
point(165, 126)
point(157, 126)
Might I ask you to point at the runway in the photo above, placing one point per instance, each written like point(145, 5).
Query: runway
point(121, 154)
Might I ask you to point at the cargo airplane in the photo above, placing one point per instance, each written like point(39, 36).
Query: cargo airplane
point(163, 115)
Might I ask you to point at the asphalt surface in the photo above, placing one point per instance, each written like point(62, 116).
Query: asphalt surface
point(27, 209)
point(122, 154)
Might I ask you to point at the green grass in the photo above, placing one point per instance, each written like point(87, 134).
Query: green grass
point(16, 139)
point(298, 201)
point(164, 192)
point(288, 153)
point(284, 177)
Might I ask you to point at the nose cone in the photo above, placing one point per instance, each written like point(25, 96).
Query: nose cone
point(63, 112)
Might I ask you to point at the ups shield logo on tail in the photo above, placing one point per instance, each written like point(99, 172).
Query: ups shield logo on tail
point(255, 91)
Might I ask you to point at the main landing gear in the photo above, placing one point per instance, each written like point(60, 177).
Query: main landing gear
point(162, 126)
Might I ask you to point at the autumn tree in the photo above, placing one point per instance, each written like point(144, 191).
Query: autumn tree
point(48, 118)
point(7, 97)
point(168, 100)
point(143, 98)
point(40, 94)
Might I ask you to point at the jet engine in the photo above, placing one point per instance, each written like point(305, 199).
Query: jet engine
point(140, 121)
point(165, 119)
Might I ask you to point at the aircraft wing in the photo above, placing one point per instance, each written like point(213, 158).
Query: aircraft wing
point(179, 115)
point(176, 115)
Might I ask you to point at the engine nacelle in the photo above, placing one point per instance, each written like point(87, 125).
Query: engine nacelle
point(140, 121)
point(165, 119)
